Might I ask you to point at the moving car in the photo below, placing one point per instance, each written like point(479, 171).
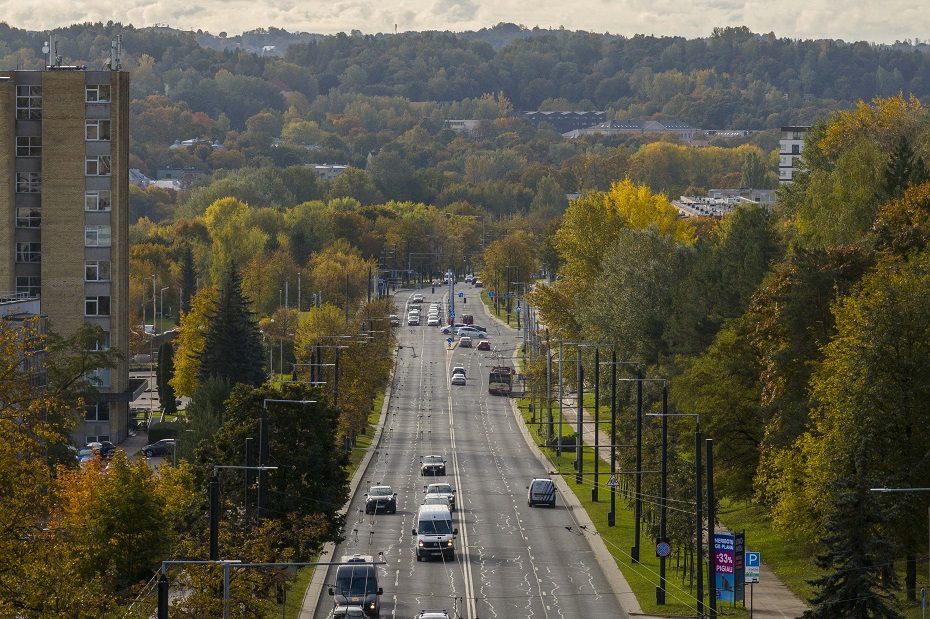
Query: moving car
point(348, 612)
point(435, 499)
point(465, 342)
point(432, 465)
point(541, 492)
point(432, 321)
point(381, 498)
point(434, 532)
point(443, 490)
point(357, 585)
point(483, 345)
point(459, 380)
point(395, 320)
point(458, 370)
point(433, 614)
point(471, 332)
point(159, 448)
point(417, 298)
point(468, 319)
point(413, 320)
point(477, 284)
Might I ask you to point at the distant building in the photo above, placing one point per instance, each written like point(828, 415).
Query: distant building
point(188, 144)
point(634, 127)
point(329, 171)
point(465, 127)
point(563, 121)
point(137, 178)
point(719, 202)
point(177, 178)
point(791, 145)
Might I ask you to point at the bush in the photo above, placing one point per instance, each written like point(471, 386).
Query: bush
point(164, 429)
point(568, 441)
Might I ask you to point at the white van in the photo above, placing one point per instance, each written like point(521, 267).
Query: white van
point(541, 491)
point(434, 532)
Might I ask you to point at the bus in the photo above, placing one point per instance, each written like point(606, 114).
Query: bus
point(500, 380)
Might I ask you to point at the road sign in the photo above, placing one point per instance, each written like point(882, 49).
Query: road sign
point(461, 294)
point(612, 482)
point(490, 294)
point(753, 562)
point(663, 549)
point(449, 340)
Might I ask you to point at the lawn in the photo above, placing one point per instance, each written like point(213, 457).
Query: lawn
point(502, 312)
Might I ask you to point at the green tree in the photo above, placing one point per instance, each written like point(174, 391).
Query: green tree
point(753, 171)
point(163, 375)
point(904, 169)
point(232, 346)
point(188, 277)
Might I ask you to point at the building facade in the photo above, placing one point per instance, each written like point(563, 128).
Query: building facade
point(791, 145)
point(64, 188)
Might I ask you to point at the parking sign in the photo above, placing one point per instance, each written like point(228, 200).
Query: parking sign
point(753, 563)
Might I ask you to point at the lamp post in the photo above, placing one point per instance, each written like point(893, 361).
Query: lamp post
point(612, 514)
point(214, 490)
point(161, 303)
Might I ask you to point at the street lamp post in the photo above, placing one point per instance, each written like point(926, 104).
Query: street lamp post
point(161, 303)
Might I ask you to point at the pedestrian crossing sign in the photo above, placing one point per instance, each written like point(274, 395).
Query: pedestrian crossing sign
point(612, 482)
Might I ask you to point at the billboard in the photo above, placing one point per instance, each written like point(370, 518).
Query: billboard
point(730, 566)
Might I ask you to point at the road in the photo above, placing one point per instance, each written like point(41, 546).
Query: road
point(511, 560)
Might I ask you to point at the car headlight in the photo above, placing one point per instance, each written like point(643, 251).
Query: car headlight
point(371, 606)
point(420, 543)
point(451, 542)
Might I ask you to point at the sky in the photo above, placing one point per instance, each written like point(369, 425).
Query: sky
point(879, 22)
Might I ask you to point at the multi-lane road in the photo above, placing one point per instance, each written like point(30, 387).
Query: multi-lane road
point(511, 560)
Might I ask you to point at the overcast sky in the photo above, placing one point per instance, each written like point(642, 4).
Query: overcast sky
point(884, 21)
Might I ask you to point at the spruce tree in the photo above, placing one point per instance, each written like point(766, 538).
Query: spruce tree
point(858, 562)
point(164, 372)
point(233, 344)
point(188, 278)
point(904, 169)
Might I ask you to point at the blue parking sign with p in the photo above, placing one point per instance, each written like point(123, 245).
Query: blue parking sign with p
point(753, 559)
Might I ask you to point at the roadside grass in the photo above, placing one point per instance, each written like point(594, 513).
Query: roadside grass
point(501, 312)
point(642, 577)
point(298, 585)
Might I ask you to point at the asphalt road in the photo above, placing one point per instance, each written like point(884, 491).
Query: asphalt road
point(511, 560)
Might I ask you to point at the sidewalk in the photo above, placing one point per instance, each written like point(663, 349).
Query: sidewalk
point(771, 598)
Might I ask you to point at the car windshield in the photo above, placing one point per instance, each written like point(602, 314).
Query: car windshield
point(381, 491)
point(432, 460)
point(435, 527)
point(439, 489)
point(355, 580)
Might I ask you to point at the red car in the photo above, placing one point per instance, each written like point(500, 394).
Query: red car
point(484, 345)
point(468, 319)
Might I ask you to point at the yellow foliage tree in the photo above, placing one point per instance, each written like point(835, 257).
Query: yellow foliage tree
point(190, 342)
point(234, 239)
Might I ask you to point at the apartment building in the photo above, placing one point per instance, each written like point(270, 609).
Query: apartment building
point(64, 186)
point(791, 145)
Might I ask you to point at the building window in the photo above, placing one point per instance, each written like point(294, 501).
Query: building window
point(28, 182)
point(29, 146)
point(97, 306)
point(29, 252)
point(97, 200)
point(795, 149)
point(97, 271)
point(97, 412)
point(99, 378)
point(97, 130)
point(96, 236)
point(29, 103)
point(28, 217)
point(103, 343)
point(97, 94)
point(100, 437)
point(97, 166)
point(30, 285)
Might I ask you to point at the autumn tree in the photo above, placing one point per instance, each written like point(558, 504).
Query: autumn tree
point(190, 341)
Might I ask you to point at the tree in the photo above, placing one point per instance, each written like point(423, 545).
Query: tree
point(188, 277)
point(190, 341)
point(753, 171)
point(164, 373)
point(859, 580)
point(904, 169)
point(232, 346)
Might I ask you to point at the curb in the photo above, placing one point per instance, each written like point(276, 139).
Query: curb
point(315, 588)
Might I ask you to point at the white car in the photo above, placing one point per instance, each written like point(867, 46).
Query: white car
point(459, 380)
point(413, 320)
point(443, 490)
point(417, 298)
point(465, 342)
point(471, 332)
point(432, 321)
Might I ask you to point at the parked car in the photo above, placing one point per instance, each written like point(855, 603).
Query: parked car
point(433, 465)
point(483, 345)
point(469, 332)
point(106, 449)
point(465, 342)
point(159, 448)
point(381, 498)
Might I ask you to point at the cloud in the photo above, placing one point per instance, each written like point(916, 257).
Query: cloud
point(852, 21)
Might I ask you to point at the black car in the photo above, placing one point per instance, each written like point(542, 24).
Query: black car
point(158, 448)
point(432, 465)
point(381, 498)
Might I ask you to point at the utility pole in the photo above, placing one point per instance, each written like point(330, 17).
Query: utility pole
point(612, 514)
point(579, 412)
point(638, 503)
point(214, 488)
point(558, 448)
point(663, 514)
point(711, 519)
point(699, 521)
point(248, 474)
point(548, 391)
point(597, 419)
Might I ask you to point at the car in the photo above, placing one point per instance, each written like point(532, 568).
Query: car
point(483, 345)
point(465, 342)
point(469, 278)
point(395, 320)
point(458, 370)
point(432, 321)
point(459, 380)
point(85, 455)
point(106, 449)
point(348, 612)
point(468, 319)
point(470, 332)
point(413, 320)
point(479, 327)
point(417, 298)
point(477, 284)
point(541, 491)
point(443, 490)
point(435, 499)
point(432, 465)
point(158, 448)
point(450, 329)
point(433, 614)
point(381, 498)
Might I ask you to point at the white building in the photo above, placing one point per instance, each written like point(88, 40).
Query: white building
point(791, 145)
